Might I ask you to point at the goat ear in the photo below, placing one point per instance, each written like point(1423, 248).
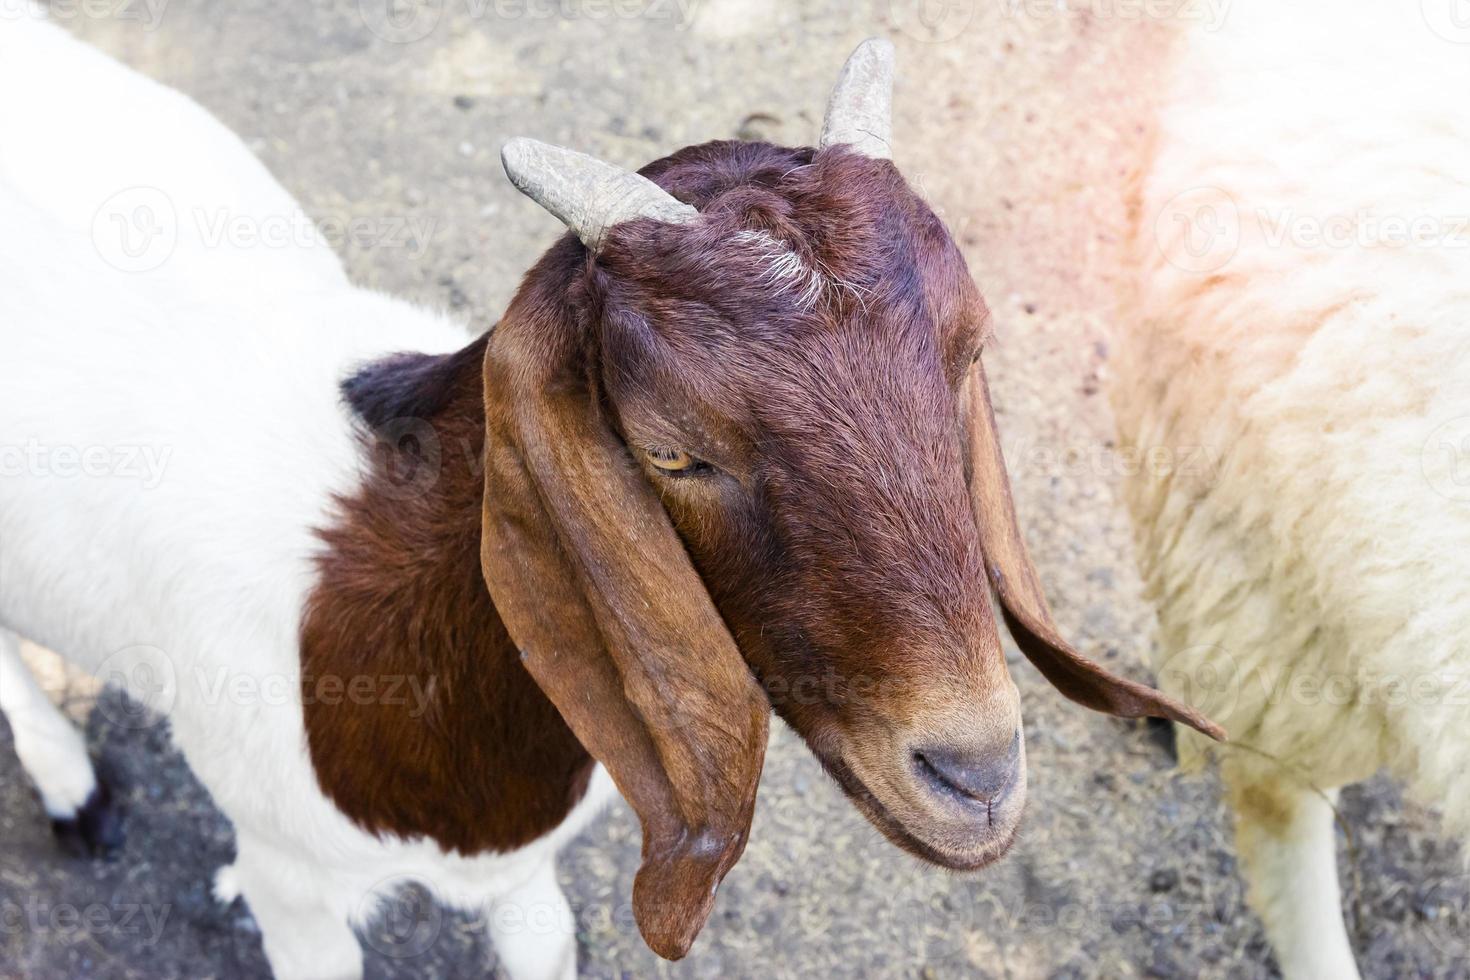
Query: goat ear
point(613, 622)
point(1017, 587)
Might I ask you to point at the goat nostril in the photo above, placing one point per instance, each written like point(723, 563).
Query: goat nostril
point(977, 776)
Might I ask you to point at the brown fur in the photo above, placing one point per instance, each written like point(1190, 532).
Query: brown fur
point(832, 564)
point(490, 766)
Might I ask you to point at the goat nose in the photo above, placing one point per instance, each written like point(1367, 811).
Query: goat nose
point(980, 774)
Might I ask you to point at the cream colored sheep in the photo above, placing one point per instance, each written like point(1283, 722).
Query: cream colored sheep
point(1295, 368)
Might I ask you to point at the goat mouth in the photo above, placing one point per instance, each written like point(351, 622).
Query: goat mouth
point(896, 831)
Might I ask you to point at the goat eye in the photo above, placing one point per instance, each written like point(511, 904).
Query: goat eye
point(674, 462)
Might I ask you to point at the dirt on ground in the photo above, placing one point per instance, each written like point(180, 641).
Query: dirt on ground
point(1021, 123)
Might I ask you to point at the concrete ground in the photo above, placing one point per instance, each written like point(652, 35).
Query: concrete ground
point(1020, 122)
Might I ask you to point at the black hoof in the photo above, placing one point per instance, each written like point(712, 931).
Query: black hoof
point(95, 829)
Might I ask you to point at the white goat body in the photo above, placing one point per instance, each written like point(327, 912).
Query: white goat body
point(1302, 321)
point(180, 433)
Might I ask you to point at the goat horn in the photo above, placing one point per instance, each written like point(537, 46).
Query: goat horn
point(860, 112)
point(587, 195)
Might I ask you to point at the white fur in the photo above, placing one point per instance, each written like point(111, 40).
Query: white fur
point(1316, 567)
point(784, 268)
point(49, 746)
point(205, 391)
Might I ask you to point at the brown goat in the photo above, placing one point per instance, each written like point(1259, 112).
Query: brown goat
point(738, 455)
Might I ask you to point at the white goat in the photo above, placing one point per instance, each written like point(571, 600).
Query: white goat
point(1302, 322)
point(221, 365)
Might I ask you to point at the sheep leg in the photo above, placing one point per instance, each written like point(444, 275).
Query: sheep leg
point(304, 936)
point(1285, 836)
point(52, 752)
point(534, 930)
